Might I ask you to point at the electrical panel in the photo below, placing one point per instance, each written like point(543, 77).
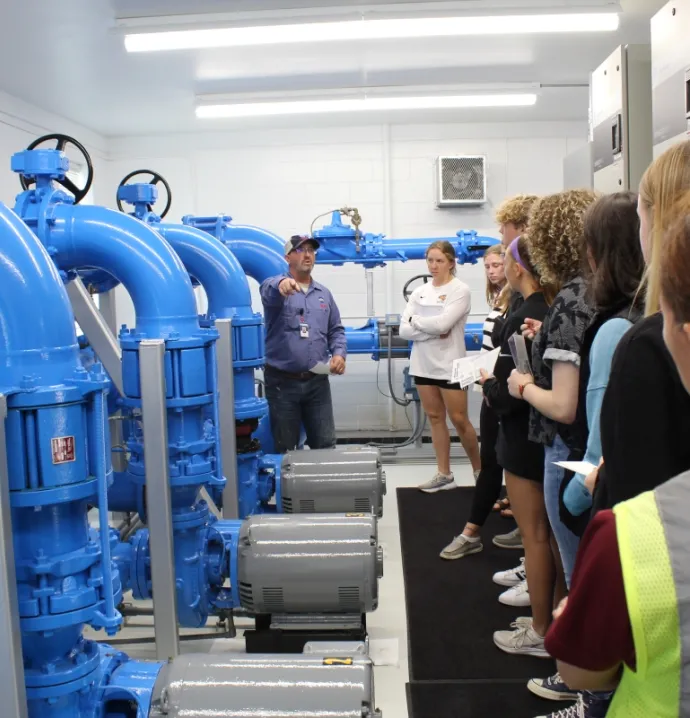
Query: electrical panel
point(577, 168)
point(621, 117)
point(670, 29)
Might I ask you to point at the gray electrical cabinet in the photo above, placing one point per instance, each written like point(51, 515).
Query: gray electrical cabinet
point(577, 168)
point(621, 117)
point(670, 29)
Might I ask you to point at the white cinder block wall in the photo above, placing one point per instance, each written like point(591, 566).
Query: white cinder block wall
point(282, 179)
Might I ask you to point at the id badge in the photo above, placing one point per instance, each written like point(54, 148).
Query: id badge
point(304, 331)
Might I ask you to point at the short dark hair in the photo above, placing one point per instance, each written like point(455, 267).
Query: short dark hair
point(611, 236)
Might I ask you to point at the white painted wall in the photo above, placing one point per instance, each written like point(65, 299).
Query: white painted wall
point(282, 179)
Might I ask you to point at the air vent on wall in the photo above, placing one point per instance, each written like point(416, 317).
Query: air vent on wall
point(461, 181)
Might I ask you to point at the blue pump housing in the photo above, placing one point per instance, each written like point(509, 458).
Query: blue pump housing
point(58, 467)
point(165, 305)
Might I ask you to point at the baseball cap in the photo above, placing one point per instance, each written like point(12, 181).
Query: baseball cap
point(297, 241)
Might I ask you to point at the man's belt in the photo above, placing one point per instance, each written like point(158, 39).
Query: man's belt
point(297, 376)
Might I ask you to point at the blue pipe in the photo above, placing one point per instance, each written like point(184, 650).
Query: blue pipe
point(56, 453)
point(260, 252)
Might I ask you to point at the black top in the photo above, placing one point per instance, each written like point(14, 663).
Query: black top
point(559, 339)
point(514, 450)
point(645, 417)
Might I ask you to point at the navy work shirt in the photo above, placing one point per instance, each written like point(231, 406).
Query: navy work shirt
point(286, 349)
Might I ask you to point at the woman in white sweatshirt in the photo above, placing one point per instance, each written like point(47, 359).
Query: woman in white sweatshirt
point(434, 320)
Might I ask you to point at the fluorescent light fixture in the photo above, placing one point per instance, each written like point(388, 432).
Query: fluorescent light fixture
point(371, 30)
point(364, 104)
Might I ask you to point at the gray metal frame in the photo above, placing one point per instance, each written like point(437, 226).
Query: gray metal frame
point(97, 331)
point(159, 511)
point(226, 412)
point(12, 687)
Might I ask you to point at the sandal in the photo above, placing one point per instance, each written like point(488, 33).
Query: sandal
point(501, 505)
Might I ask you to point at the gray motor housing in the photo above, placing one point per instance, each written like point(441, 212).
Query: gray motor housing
point(319, 481)
point(265, 686)
point(306, 564)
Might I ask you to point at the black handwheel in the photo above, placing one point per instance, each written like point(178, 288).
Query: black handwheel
point(155, 178)
point(406, 291)
point(62, 140)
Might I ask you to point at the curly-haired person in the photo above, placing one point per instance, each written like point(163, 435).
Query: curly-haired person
point(512, 216)
point(554, 237)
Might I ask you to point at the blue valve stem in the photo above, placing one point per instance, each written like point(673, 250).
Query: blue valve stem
point(100, 472)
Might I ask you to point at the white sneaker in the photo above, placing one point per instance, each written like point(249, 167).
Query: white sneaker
point(512, 576)
point(517, 596)
point(524, 640)
point(439, 482)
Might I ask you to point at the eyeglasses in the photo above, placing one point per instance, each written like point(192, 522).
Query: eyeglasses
point(307, 249)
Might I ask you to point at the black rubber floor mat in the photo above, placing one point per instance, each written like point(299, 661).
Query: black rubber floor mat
point(452, 606)
point(476, 699)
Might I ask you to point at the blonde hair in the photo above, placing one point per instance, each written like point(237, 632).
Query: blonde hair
point(447, 249)
point(515, 210)
point(664, 182)
point(492, 293)
point(554, 235)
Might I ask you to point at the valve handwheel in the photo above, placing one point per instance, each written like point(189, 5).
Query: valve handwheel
point(155, 178)
point(61, 141)
point(407, 291)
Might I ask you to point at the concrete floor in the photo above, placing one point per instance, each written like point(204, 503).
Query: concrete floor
point(387, 626)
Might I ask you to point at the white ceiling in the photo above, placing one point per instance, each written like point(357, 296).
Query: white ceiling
point(69, 58)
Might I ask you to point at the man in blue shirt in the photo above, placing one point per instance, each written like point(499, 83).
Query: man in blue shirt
point(303, 332)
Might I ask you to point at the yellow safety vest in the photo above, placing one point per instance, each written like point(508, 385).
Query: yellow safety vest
point(653, 533)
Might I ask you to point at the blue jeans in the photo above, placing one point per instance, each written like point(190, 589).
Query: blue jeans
point(293, 403)
point(553, 478)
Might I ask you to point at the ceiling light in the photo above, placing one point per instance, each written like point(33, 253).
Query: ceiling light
point(371, 30)
point(267, 109)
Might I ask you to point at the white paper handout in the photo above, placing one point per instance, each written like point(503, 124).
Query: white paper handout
point(321, 368)
point(579, 467)
point(467, 370)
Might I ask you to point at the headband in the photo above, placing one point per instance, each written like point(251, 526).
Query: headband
point(515, 253)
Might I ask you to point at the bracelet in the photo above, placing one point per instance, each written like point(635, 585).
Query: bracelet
point(522, 388)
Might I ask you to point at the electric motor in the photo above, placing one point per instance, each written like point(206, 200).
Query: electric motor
point(299, 686)
point(340, 480)
point(306, 564)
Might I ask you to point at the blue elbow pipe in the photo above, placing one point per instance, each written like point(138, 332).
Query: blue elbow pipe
point(260, 252)
point(227, 289)
point(135, 255)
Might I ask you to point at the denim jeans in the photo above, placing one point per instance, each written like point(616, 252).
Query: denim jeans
point(293, 403)
point(553, 477)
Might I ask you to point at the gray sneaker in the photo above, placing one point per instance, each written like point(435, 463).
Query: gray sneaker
point(523, 640)
point(461, 546)
point(438, 483)
point(509, 540)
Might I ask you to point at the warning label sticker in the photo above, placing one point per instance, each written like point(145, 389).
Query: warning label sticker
point(63, 449)
point(357, 516)
point(337, 661)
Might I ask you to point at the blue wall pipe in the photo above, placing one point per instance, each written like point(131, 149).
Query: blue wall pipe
point(165, 308)
point(56, 453)
point(341, 244)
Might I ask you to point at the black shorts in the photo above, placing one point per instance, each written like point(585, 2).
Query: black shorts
point(440, 383)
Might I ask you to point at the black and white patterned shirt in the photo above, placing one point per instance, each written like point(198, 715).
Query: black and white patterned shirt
point(494, 316)
point(559, 339)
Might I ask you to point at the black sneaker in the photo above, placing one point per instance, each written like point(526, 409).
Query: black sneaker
point(552, 688)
